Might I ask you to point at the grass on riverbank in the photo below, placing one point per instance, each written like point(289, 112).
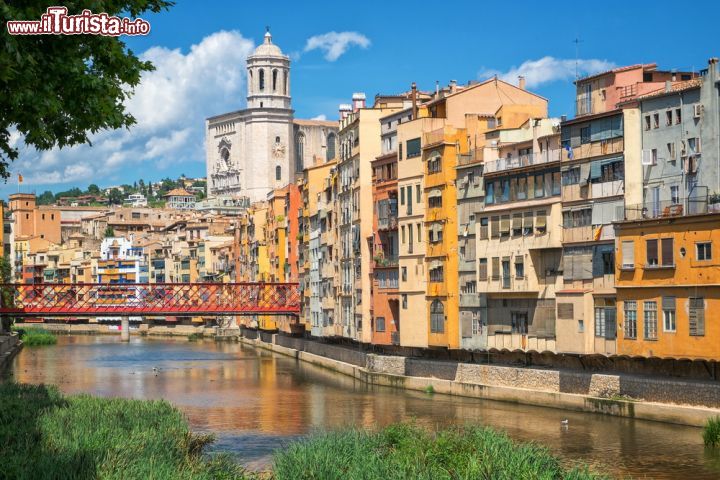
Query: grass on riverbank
point(711, 432)
point(35, 337)
point(406, 451)
point(47, 435)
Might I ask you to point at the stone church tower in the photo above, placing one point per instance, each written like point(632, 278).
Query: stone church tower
point(252, 151)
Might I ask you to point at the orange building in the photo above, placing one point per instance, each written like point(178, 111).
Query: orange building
point(385, 305)
point(668, 285)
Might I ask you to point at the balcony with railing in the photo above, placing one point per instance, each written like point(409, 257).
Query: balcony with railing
point(594, 149)
point(385, 261)
point(520, 161)
point(469, 158)
point(694, 205)
point(608, 189)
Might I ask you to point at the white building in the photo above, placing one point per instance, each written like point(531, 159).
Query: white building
point(252, 151)
point(180, 199)
point(136, 200)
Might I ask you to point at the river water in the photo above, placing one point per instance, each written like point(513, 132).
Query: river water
point(256, 401)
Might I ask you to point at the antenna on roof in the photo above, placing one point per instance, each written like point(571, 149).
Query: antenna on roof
point(577, 43)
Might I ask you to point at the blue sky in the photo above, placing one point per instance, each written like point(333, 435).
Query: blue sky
point(373, 47)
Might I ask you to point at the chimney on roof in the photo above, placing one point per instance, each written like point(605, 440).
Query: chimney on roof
point(453, 86)
point(344, 110)
point(437, 88)
point(413, 90)
point(521, 82)
point(668, 85)
point(674, 74)
point(358, 101)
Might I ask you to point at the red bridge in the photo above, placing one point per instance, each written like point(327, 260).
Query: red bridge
point(125, 299)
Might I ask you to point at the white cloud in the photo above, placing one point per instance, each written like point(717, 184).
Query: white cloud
point(335, 44)
point(548, 69)
point(170, 105)
point(322, 117)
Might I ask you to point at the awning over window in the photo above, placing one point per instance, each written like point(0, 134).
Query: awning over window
point(435, 193)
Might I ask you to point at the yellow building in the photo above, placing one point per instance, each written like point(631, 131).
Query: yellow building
point(668, 285)
point(439, 153)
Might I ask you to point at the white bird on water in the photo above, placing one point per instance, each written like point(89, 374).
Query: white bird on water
point(564, 421)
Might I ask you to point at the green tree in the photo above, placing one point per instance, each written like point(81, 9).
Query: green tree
point(46, 198)
point(93, 189)
point(109, 232)
point(55, 90)
point(115, 197)
point(149, 190)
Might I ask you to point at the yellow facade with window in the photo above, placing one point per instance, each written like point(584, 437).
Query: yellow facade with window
point(668, 284)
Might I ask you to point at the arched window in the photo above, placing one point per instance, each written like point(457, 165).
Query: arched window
point(225, 155)
point(262, 80)
point(285, 82)
point(278, 173)
point(274, 80)
point(437, 317)
point(330, 152)
point(299, 152)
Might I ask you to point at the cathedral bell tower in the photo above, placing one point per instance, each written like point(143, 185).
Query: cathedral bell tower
point(268, 76)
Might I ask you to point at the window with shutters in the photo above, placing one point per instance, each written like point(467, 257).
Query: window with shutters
point(504, 225)
point(651, 247)
point(668, 305)
point(482, 269)
point(541, 222)
point(696, 316)
point(519, 267)
point(668, 259)
point(437, 317)
point(605, 321)
point(495, 268)
point(527, 223)
point(403, 271)
point(630, 323)
point(494, 227)
point(436, 274)
point(650, 320)
point(484, 228)
point(476, 326)
point(404, 301)
point(628, 255)
point(565, 311)
point(380, 324)
point(517, 221)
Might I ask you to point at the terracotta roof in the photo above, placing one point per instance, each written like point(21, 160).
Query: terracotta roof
point(181, 192)
point(650, 66)
point(674, 88)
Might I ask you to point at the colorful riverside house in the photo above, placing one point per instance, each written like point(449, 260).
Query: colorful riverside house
point(359, 146)
point(668, 275)
point(275, 232)
point(316, 208)
point(439, 153)
point(329, 253)
point(518, 250)
point(668, 284)
point(385, 309)
point(601, 147)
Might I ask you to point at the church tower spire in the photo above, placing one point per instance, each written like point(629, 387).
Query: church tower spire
point(268, 74)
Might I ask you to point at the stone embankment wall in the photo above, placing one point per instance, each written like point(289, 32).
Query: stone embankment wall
point(603, 385)
point(686, 402)
point(9, 346)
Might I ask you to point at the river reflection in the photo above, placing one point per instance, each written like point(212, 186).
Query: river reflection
point(255, 402)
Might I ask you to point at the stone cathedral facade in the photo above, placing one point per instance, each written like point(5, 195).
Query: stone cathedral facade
point(253, 151)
